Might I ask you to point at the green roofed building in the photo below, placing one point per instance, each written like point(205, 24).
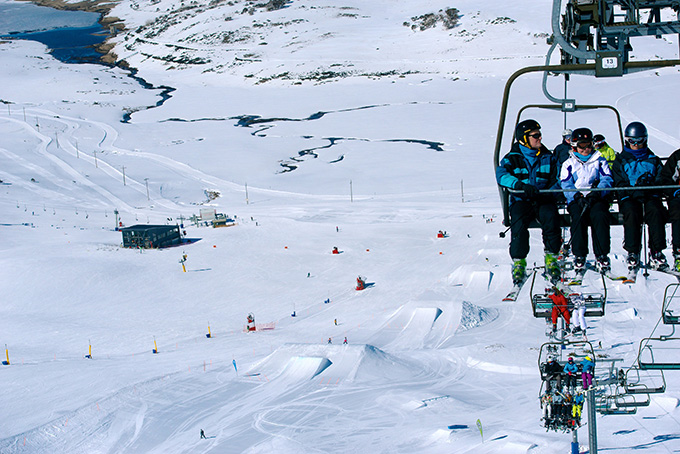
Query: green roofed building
point(151, 236)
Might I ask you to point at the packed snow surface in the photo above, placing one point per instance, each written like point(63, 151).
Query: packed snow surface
point(395, 145)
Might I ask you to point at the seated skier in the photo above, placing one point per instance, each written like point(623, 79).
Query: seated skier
point(560, 307)
point(553, 371)
point(586, 169)
point(530, 167)
point(570, 371)
point(579, 313)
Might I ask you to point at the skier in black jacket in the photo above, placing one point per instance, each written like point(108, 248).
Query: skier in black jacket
point(670, 175)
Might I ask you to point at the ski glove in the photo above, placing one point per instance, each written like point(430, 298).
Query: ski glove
point(529, 190)
point(645, 180)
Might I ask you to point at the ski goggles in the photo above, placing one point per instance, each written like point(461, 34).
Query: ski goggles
point(636, 140)
point(584, 145)
point(598, 144)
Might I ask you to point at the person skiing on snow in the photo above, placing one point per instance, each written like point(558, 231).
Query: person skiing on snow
point(607, 152)
point(578, 315)
point(530, 167)
point(586, 169)
point(570, 371)
point(670, 175)
point(638, 166)
point(560, 307)
point(587, 370)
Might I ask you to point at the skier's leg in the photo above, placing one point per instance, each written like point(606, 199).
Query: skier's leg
point(521, 214)
point(579, 230)
point(549, 219)
point(582, 317)
point(599, 224)
point(674, 215)
point(655, 217)
point(632, 224)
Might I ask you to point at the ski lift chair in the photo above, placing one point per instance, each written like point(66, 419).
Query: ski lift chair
point(664, 343)
point(633, 382)
point(542, 305)
point(668, 315)
point(608, 406)
point(646, 359)
point(625, 400)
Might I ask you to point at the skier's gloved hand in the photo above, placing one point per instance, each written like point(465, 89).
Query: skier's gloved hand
point(645, 180)
point(530, 190)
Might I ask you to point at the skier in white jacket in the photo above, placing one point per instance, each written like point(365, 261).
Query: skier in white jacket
point(586, 169)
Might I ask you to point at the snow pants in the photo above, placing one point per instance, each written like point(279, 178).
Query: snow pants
point(521, 215)
point(674, 215)
point(578, 316)
point(596, 216)
point(587, 379)
point(576, 411)
point(560, 310)
point(570, 380)
point(652, 211)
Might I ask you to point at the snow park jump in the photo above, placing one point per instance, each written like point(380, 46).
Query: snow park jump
point(594, 39)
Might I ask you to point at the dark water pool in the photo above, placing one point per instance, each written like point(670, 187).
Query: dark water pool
point(70, 35)
point(69, 45)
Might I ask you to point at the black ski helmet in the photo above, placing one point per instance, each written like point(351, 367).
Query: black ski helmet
point(636, 131)
point(581, 135)
point(598, 141)
point(523, 128)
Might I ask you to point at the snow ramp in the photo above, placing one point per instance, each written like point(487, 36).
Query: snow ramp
point(409, 328)
point(473, 279)
point(328, 364)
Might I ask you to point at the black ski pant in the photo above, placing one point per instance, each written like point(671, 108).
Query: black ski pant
point(593, 213)
point(674, 215)
point(521, 215)
point(654, 214)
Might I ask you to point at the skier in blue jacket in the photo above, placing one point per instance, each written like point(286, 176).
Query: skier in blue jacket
point(638, 166)
point(570, 370)
point(587, 370)
point(530, 167)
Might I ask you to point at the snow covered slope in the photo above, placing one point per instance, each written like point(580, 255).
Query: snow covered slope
point(396, 148)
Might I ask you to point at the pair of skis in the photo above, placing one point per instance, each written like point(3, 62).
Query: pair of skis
point(517, 287)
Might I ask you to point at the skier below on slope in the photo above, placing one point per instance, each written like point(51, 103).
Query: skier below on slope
point(530, 167)
point(586, 169)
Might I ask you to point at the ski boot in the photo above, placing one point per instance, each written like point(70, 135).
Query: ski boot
point(519, 271)
point(658, 261)
point(603, 264)
point(676, 265)
point(633, 261)
point(580, 265)
point(552, 267)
